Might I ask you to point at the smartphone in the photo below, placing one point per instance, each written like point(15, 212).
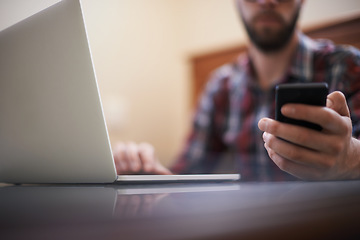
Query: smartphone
point(304, 93)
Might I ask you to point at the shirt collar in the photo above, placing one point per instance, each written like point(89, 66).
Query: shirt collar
point(302, 65)
point(300, 70)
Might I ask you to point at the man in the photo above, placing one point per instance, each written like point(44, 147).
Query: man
point(232, 117)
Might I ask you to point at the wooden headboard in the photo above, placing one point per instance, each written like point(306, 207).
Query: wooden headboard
point(341, 32)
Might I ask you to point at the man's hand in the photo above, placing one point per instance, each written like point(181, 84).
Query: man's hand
point(131, 158)
point(314, 155)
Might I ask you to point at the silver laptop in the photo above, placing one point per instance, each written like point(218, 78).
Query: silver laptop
point(52, 127)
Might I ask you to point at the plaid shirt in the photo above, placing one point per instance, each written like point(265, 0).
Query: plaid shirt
point(225, 136)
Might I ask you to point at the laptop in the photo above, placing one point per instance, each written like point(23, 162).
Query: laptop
point(52, 126)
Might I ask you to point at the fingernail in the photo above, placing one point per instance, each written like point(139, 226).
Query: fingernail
point(263, 123)
point(265, 136)
point(147, 167)
point(287, 110)
point(329, 103)
point(134, 166)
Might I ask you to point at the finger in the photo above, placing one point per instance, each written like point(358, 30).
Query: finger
point(151, 162)
point(119, 158)
point(147, 156)
point(117, 162)
point(330, 120)
point(295, 169)
point(337, 102)
point(132, 157)
point(160, 169)
point(304, 137)
point(297, 154)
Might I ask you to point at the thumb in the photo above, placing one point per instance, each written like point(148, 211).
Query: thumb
point(160, 169)
point(337, 102)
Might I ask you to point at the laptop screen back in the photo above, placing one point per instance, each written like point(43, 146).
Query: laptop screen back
point(52, 128)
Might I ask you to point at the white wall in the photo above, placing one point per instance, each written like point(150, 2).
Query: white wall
point(135, 53)
point(141, 50)
point(320, 11)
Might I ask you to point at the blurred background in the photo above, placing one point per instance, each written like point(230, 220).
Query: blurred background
point(152, 57)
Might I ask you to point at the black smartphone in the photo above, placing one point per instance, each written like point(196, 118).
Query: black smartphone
point(305, 93)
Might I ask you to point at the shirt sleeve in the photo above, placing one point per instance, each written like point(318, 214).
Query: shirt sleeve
point(205, 141)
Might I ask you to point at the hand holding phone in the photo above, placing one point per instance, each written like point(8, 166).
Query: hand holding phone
point(304, 93)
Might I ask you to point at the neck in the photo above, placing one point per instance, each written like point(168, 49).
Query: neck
point(270, 67)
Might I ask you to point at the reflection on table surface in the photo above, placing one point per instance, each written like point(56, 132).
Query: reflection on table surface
point(179, 211)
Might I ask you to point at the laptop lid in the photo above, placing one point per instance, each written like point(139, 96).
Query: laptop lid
point(52, 128)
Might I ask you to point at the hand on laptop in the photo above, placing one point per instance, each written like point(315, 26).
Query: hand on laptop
point(132, 158)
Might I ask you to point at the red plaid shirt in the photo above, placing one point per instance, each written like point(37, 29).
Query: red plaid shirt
point(225, 136)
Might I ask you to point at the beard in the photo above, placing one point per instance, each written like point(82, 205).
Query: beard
point(267, 39)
